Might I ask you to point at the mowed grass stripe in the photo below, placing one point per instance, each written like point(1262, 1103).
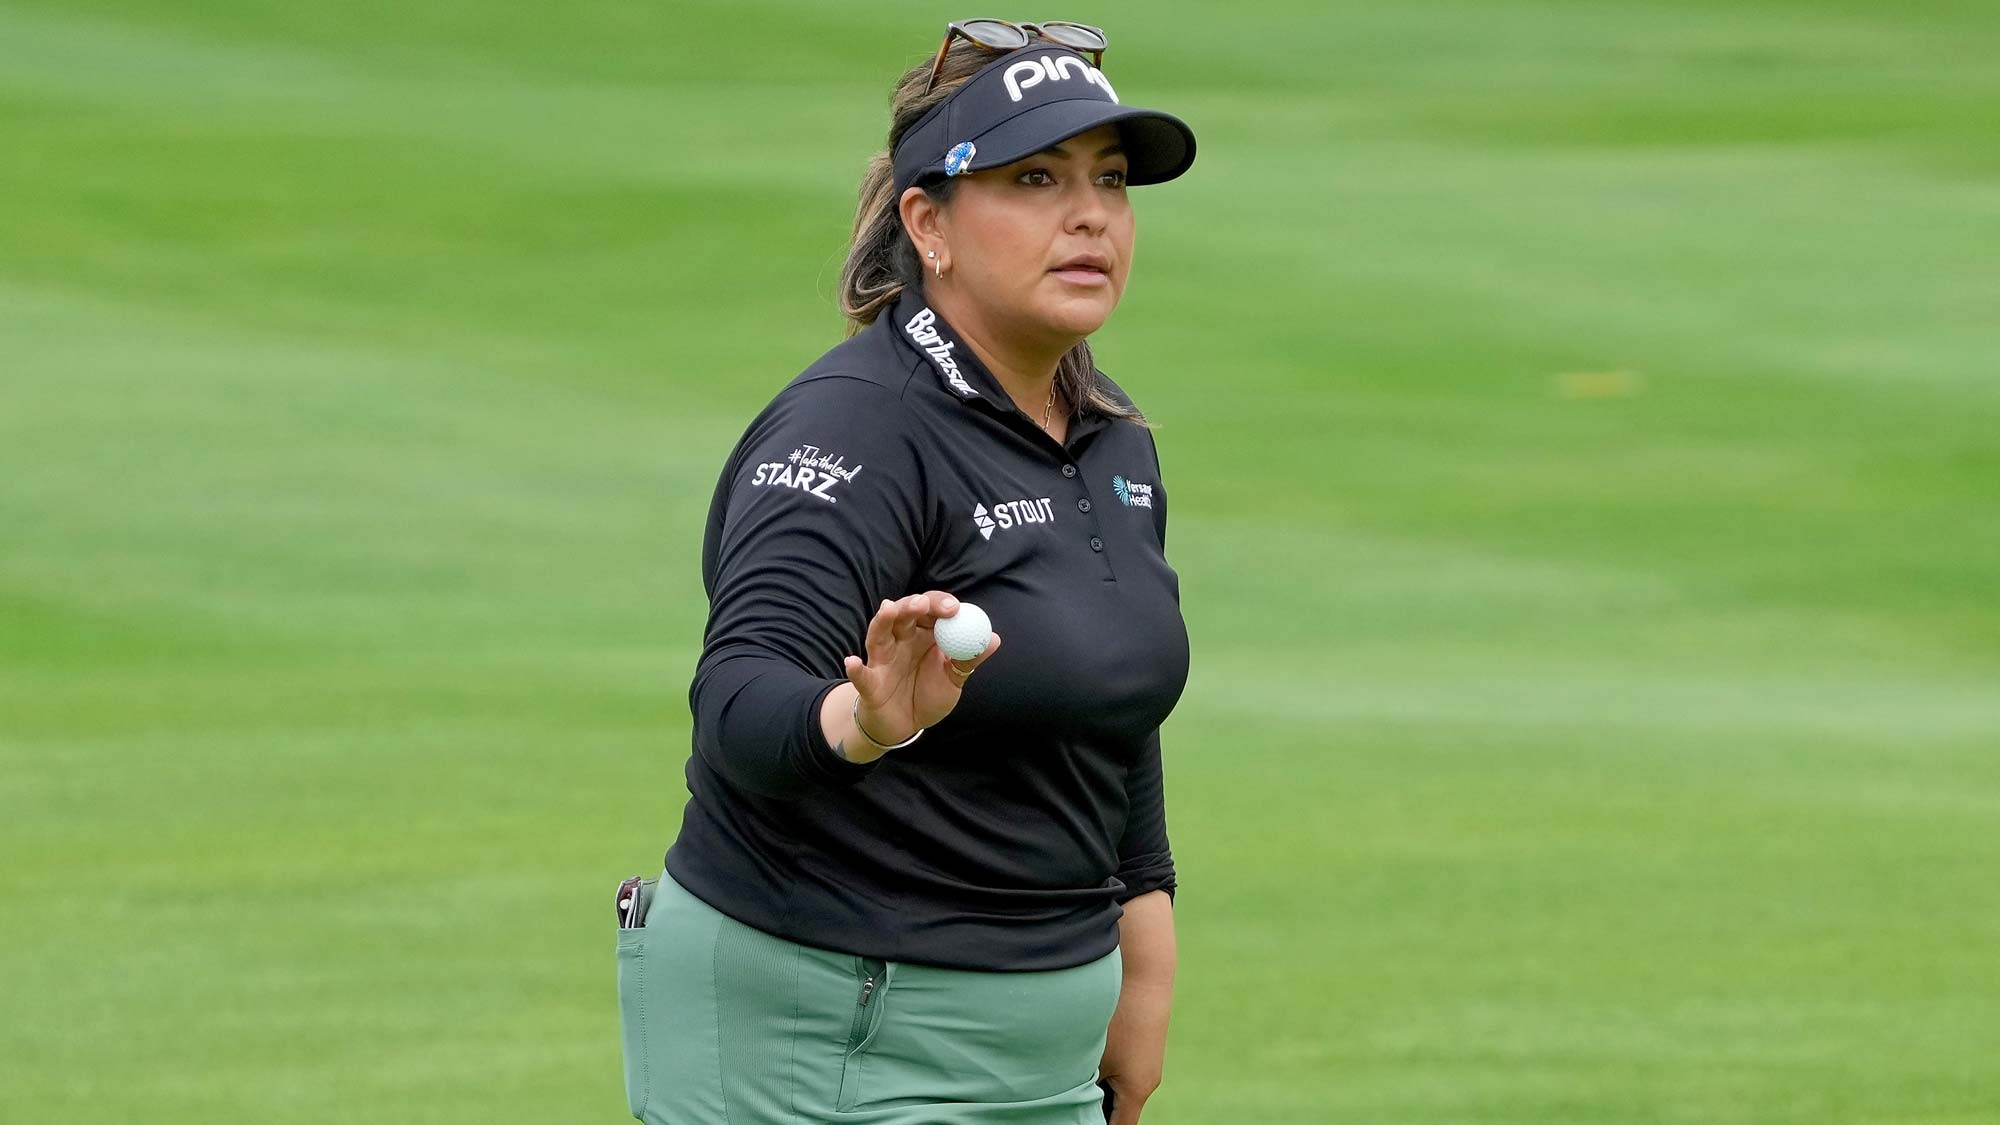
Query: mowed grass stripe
point(1577, 423)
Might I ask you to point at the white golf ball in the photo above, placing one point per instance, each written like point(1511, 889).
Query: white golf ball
point(964, 634)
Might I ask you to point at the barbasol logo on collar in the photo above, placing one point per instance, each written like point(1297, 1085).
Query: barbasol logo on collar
point(925, 336)
point(1029, 73)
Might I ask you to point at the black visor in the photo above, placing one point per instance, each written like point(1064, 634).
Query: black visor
point(1023, 102)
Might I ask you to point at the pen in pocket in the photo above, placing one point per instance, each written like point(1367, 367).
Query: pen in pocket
point(628, 903)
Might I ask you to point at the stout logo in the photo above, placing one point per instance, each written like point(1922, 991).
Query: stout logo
point(1009, 514)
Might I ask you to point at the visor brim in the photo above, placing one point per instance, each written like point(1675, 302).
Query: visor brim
point(1158, 146)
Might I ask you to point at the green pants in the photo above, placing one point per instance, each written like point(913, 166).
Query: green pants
point(724, 1023)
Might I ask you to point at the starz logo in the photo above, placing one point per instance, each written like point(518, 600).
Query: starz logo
point(808, 469)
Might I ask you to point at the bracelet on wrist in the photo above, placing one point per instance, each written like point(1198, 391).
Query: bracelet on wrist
point(856, 712)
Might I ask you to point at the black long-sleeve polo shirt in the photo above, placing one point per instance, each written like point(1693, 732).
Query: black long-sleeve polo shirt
point(1009, 835)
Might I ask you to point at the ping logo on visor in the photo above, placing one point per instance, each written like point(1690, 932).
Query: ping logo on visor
point(1028, 73)
point(1029, 100)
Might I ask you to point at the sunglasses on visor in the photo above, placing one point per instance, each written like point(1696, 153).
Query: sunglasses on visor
point(1004, 35)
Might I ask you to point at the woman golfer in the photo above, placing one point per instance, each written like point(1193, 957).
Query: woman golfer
point(911, 890)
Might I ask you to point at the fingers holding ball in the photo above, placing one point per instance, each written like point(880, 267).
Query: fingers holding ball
point(963, 636)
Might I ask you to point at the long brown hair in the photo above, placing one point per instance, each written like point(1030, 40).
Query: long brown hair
point(882, 261)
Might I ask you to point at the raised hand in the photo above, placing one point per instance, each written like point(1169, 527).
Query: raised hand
point(907, 683)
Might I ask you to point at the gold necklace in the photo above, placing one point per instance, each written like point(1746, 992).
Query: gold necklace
point(1049, 407)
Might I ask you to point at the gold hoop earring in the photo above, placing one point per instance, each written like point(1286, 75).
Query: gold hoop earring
point(937, 264)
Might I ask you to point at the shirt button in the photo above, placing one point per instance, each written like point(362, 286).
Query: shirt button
point(1069, 470)
point(1096, 544)
point(1083, 505)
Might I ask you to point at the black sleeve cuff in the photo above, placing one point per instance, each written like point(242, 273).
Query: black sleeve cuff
point(823, 759)
point(823, 762)
point(757, 725)
point(1147, 875)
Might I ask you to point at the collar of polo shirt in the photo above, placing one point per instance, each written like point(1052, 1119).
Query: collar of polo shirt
point(912, 320)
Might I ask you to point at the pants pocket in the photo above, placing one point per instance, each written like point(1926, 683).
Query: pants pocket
point(632, 999)
point(982, 1037)
point(872, 976)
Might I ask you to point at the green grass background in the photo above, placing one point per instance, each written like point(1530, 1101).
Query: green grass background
point(1584, 438)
